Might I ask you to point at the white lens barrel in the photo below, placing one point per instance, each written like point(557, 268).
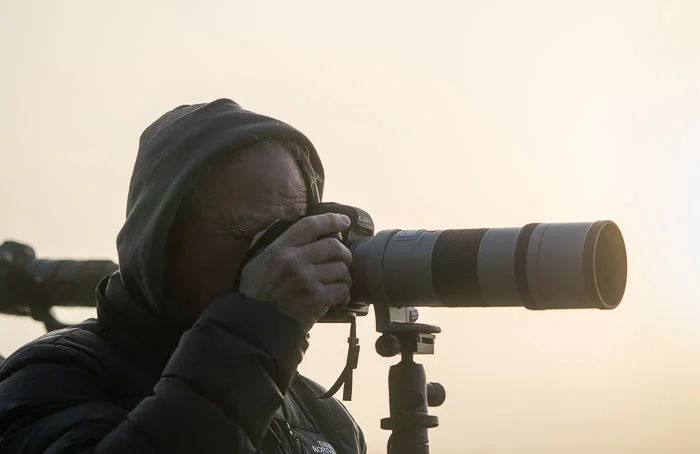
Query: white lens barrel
point(539, 266)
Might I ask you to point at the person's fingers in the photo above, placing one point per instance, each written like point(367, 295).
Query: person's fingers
point(311, 228)
point(336, 295)
point(329, 273)
point(326, 250)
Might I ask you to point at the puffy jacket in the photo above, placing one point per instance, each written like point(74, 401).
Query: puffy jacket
point(230, 385)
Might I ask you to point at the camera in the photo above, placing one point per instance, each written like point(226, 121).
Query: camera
point(537, 266)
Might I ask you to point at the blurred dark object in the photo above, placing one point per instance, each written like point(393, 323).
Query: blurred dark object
point(32, 287)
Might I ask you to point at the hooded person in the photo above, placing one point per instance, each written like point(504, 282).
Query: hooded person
point(165, 368)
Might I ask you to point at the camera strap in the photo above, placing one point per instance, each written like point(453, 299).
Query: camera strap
point(345, 378)
point(260, 241)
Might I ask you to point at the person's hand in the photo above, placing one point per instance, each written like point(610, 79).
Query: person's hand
point(300, 273)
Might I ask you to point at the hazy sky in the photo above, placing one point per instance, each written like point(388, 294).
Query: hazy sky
point(428, 115)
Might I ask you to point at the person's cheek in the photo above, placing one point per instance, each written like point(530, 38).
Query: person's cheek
point(222, 264)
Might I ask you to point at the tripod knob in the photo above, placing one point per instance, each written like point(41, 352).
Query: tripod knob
point(388, 345)
point(436, 394)
point(412, 314)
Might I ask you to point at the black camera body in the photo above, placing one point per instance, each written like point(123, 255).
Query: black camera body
point(361, 227)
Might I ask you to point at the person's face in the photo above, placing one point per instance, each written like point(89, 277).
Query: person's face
point(211, 234)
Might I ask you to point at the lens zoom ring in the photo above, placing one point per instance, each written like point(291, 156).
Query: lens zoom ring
point(454, 267)
point(521, 250)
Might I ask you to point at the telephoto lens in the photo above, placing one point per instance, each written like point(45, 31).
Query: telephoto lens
point(538, 266)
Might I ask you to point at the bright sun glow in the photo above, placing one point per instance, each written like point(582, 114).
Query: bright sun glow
point(679, 190)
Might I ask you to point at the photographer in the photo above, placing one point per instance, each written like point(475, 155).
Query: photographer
point(193, 349)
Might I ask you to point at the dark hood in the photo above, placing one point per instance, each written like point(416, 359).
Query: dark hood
point(173, 152)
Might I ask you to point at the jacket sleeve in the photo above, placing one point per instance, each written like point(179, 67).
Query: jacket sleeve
point(217, 394)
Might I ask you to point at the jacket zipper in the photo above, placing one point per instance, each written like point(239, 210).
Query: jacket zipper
point(296, 443)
